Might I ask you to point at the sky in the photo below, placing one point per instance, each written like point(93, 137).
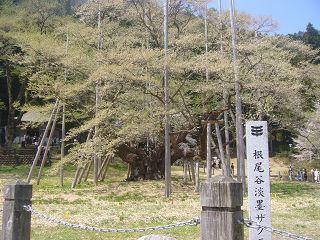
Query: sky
point(292, 15)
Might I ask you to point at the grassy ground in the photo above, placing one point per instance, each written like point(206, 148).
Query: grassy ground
point(118, 204)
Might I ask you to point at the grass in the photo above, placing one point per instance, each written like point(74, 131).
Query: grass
point(119, 204)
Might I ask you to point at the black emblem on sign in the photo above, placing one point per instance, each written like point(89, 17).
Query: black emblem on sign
point(256, 130)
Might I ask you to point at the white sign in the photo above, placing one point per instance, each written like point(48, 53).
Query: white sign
point(258, 178)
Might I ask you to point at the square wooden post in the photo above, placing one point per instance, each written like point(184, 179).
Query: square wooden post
point(16, 222)
point(221, 201)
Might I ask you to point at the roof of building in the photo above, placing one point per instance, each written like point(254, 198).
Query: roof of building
point(34, 117)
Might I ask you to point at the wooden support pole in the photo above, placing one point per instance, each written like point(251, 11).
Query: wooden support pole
point(197, 186)
point(221, 201)
point(87, 171)
point(95, 161)
point(185, 170)
point(189, 171)
point(225, 96)
point(63, 134)
point(166, 99)
point(36, 158)
point(82, 172)
point(239, 117)
point(77, 175)
point(80, 169)
point(16, 221)
point(103, 176)
point(129, 170)
point(225, 167)
point(209, 157)
point(44, 158)
point(103, 165)
point(193, 174)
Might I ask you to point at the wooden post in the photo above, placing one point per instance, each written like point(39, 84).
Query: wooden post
point(221, 201)
point(16, 222)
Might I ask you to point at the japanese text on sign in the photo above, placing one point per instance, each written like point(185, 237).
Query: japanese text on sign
point(258, 178)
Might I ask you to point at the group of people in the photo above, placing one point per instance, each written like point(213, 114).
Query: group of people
point(35, 141)
point(302, 175)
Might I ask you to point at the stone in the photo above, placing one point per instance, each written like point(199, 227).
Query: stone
point(156, 237)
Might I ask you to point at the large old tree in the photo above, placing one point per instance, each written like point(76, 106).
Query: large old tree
point(125, 70)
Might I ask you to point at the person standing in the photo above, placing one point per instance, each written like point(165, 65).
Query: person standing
point(316, 176)
point(305, 175)
point(290, 172)
point(312, 174)
point(232, 169)
point(24, 141)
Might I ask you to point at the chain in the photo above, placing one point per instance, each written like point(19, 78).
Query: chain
point(252, 224)
point(193, 222)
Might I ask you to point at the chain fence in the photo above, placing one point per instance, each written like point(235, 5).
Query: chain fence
point(192, 222)
point(252, 224)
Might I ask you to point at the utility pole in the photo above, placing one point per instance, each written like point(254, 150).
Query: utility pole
point(166, 104)
point(239, 127)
